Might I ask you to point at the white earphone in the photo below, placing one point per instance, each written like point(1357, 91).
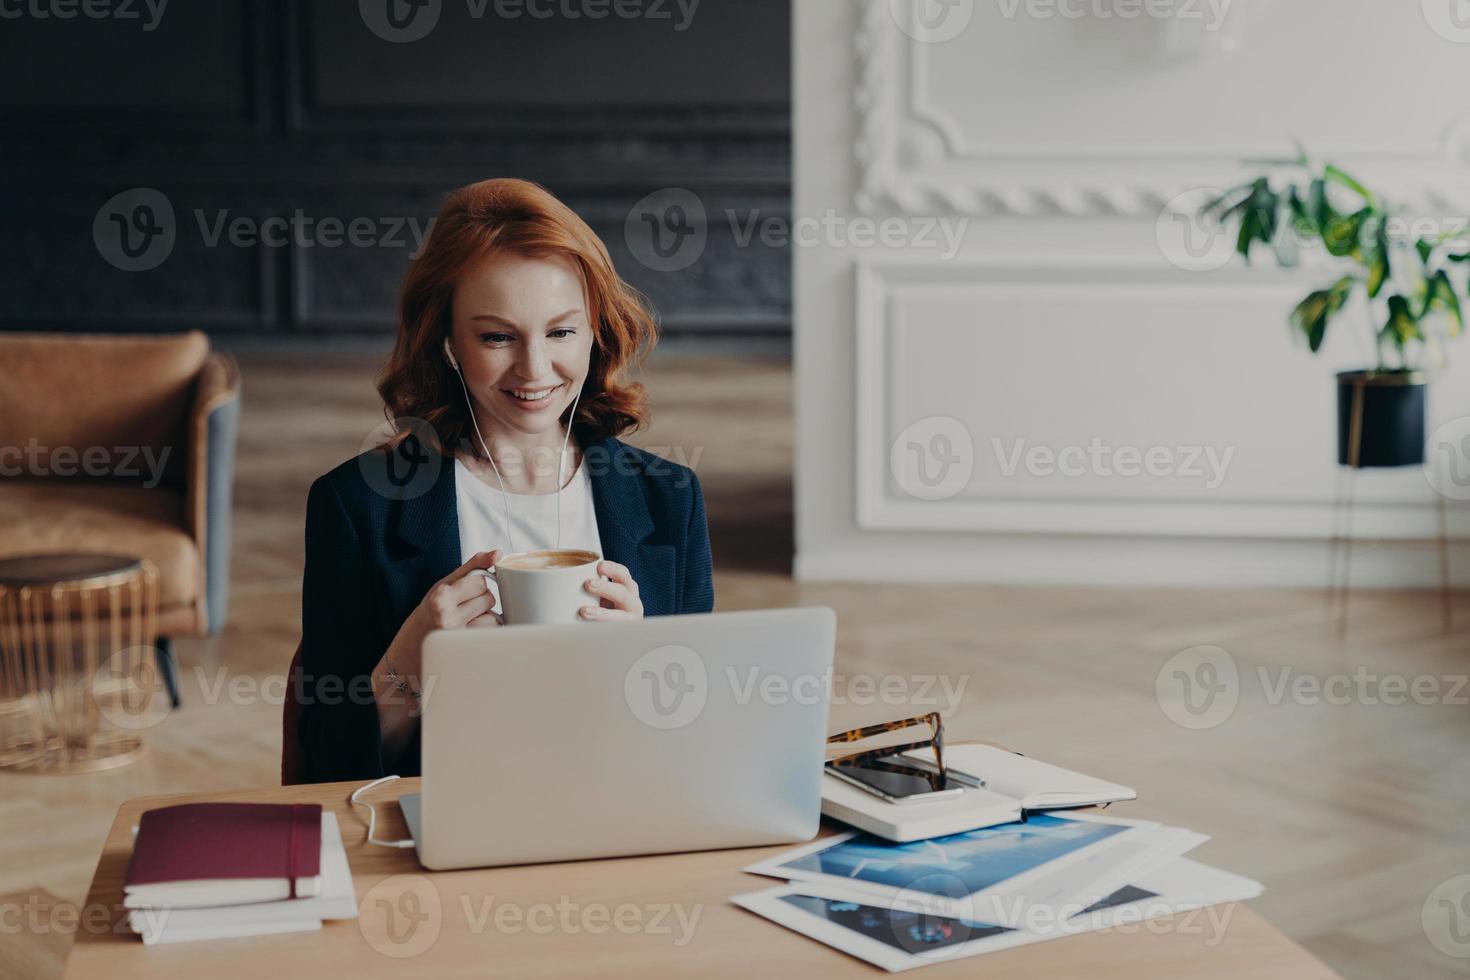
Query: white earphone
point(560, 462)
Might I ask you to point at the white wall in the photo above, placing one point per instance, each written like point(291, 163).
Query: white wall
point(1063, 318)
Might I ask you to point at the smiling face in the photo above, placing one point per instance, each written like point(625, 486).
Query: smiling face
point(523, 339)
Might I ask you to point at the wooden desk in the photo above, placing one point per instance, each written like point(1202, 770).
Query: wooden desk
point(597, 919)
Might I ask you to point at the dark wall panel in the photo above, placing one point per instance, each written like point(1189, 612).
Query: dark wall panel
point(726, 54)
point(192, 57)
point(298, 113)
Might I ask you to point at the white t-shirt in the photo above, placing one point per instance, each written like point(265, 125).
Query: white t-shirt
point(532, 517)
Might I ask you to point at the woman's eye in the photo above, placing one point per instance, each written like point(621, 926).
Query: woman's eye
point(496, 338)
point(563, 332)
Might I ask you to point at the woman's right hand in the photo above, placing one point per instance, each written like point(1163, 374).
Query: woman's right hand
point(460, 599)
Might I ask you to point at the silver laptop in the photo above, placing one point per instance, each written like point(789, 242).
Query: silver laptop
point(589, 740)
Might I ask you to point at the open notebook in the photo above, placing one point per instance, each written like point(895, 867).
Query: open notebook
point(1035, 785)
point(1014, 784)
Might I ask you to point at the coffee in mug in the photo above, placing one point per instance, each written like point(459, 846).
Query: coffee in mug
point(539, 587)
point(537, 560)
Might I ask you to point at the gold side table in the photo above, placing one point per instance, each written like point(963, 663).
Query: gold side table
point(77, 633)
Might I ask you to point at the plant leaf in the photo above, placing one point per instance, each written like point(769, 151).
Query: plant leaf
point(1402, 325)
point(1310, 317)
point(1313, 314)
point(1303, 224)
point(1302, 158)
point(1243, 239)
point(1341, 233)
point(1298, 206)
point(1338, 176)
point(1378, 261)
point(1318, 206)
point(1257, 219)
point(1240, 195)
point(1440, 296)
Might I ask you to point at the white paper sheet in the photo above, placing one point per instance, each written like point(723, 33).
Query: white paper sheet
point(896, 937)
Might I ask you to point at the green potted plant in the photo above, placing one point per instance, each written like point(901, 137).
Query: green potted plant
point(1398, 273)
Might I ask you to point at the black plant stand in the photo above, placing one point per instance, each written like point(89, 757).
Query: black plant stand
point(1341, 542)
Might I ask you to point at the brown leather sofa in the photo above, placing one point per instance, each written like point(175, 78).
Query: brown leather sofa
point(124, 444)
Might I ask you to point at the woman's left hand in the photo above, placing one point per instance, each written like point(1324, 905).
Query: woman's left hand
point(619, 596)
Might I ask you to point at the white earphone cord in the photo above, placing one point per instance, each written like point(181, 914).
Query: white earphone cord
point(373, 813)
point(560, 461)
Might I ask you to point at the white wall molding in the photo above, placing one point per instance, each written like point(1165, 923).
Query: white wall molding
point(913, 156)
point(1400, 508)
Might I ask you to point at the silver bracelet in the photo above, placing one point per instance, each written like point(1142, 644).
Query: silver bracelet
point(401, 684)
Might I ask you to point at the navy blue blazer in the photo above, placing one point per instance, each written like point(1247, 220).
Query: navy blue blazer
point(380, 533)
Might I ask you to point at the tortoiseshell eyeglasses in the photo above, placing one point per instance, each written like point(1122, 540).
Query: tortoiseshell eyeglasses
point(882, 757)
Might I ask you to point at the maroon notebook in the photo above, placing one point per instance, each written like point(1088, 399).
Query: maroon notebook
point(225, 853)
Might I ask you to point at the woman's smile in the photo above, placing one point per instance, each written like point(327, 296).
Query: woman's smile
point(533, 399)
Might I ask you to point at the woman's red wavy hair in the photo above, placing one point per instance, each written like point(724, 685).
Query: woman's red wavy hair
point(518, 217)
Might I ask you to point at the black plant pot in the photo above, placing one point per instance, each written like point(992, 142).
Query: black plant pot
point(1383, 412)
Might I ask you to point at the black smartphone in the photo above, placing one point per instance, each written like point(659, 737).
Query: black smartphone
point(910, 785)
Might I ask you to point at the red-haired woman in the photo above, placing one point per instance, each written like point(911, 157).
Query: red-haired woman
point(514, 337)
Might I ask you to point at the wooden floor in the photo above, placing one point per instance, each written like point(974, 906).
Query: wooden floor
point(1351, 814)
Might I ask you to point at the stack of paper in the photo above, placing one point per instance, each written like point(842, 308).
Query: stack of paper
point(902, 905)
point(198, 909)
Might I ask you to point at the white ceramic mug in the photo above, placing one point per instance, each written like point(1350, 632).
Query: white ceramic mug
point(538, 587)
